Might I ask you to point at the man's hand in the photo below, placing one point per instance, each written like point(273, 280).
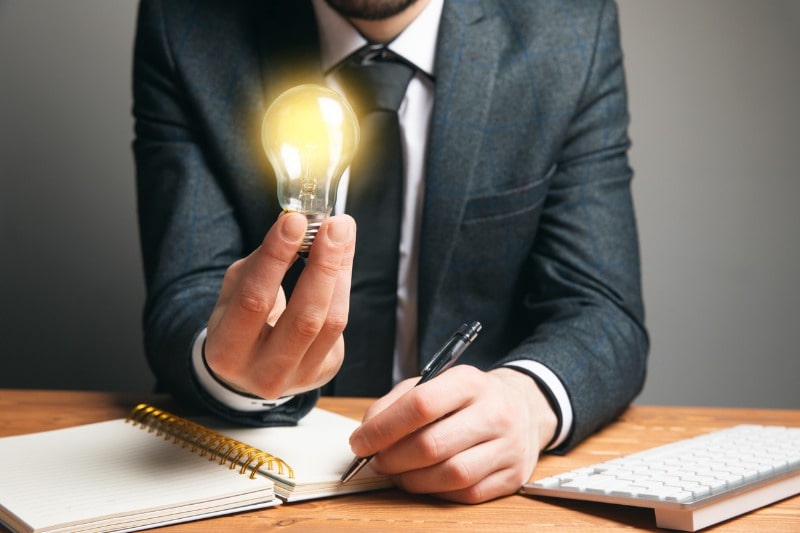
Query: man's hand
point(467, 435)
point(257, 342)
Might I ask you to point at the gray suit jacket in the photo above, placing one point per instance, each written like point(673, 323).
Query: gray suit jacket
point(528, 224)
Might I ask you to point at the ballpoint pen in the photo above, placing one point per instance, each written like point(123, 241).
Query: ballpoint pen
point(441, 361)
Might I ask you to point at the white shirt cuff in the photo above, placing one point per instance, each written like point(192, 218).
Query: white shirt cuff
point(221, 393)
point(558, 392)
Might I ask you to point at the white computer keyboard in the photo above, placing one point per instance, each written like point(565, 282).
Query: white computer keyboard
point(692, 483)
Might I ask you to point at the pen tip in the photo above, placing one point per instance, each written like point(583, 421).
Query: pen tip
point(355, 466)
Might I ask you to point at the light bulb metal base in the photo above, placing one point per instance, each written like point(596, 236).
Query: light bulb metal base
point(314, 222)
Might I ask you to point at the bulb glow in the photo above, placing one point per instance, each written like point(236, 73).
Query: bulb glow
point(310, 135)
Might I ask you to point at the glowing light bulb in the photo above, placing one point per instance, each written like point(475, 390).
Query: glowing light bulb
point(310, 134)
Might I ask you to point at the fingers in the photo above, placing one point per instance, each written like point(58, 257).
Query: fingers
point(436, 442)
point(499, 483)
point(268, 347)
point(316, 313)
point(415, 409)
point(249, 293)
point(339, 305)
point(466, 436)
point(480, 473)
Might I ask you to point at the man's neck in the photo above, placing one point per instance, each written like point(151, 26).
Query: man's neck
point(383, 31)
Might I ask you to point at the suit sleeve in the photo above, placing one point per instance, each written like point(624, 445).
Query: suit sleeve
point(189, 230)
point(584, 290)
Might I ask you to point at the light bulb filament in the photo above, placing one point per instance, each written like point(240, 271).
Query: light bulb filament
point(308, 186)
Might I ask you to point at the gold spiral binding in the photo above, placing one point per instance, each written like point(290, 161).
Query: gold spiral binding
point(209, 442)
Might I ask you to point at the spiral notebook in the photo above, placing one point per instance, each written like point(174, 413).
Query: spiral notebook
point(153, 468)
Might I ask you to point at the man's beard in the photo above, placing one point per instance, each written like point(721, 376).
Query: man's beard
point(370, 9)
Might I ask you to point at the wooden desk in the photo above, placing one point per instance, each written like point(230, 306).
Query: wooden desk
point(391, 510)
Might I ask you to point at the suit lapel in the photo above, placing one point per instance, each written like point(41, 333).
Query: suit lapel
point(467, 59)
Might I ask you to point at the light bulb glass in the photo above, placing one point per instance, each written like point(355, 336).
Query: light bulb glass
point(310, 135)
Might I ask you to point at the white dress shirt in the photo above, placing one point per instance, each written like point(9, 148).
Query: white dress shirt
point(416, 44)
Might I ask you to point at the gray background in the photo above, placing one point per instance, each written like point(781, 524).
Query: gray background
point(715, 120)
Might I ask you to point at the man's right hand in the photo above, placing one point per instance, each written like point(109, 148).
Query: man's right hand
point(260, 344)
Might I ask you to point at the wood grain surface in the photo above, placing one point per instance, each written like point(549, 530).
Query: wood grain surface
point(638, 428)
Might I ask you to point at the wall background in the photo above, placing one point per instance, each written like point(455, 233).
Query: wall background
point(716, 129)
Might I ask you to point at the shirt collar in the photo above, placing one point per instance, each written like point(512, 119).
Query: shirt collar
point(417, 43)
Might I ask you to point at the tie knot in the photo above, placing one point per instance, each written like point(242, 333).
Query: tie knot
point(375, 79)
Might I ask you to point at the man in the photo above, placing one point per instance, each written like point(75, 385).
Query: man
point(517, 213)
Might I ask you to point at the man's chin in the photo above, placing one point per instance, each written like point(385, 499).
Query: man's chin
point(370, 9)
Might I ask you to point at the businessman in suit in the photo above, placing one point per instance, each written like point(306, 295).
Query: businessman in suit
point(517, 212)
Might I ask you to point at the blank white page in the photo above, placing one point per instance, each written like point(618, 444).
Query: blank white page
point(317, 449)
point(112, 469)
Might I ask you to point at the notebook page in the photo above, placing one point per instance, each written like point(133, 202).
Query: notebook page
point(317, 449)
point(109, 469)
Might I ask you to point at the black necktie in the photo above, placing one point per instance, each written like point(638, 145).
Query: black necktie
point(375, 81)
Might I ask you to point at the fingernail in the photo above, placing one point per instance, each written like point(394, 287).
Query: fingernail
point(339, 229)
point(294, 227)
